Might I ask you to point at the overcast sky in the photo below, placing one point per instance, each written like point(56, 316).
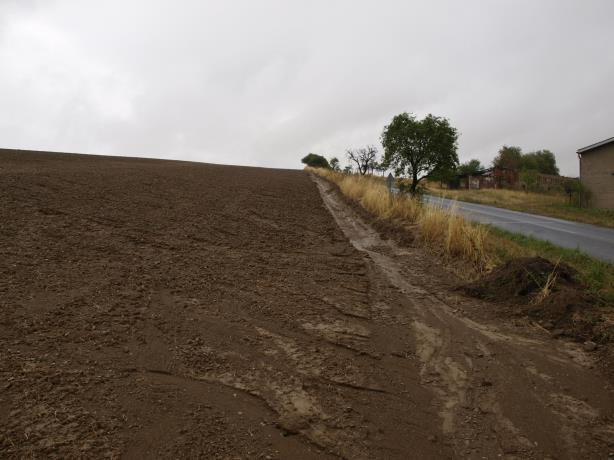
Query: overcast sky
point(262, 83)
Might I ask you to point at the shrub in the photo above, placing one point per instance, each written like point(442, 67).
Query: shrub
point(315, 161)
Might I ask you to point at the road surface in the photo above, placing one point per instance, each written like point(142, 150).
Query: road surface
point(595, 241)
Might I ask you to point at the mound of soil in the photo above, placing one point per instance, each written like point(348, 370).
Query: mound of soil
point(521, 278)
point(568, 310)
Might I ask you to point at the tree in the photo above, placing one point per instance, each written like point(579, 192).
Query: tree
point(528, 179)
point(416, 148)
point(508, 158)
point(315, 161)
point(347, 169)
point(578, 194)
point(380, 167)
point(446, 175)
point(451, 175)
point(542, 161)
point(471, 167)
point(364, 158)
point(334, 164)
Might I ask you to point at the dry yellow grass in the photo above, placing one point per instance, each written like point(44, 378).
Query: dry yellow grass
point(502, 197)
point(553, 204)
point(546, 289)
point(449, 233)
point(438, 228)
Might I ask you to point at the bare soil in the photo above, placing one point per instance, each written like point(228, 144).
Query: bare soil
point(568, 308)
point(158, 309)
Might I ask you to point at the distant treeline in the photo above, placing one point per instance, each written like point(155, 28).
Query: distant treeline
point(426, 148)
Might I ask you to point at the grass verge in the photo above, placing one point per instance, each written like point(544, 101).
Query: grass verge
point(437, 228)
point(449, 233)
point(598, 276)
point(547, 204)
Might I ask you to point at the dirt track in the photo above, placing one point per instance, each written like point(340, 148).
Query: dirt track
point(167, 309)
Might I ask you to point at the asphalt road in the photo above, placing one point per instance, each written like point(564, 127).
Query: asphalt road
point(595, 241)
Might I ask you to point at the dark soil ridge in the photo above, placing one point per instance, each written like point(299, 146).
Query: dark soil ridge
point(569, 309)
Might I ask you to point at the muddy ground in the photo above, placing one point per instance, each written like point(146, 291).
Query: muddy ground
point(157, 309)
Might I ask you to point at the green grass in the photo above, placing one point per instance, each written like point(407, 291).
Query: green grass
point(603, 217)
point(547, 204)
point(596, 274)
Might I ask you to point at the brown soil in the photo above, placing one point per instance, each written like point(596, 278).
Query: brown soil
point(569, 309)
point(523, 278)
point(157, 309)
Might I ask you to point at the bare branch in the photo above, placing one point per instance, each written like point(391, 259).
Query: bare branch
point(364, 158)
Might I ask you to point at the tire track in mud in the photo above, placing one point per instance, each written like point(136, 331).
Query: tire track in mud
point(145, 324)
point(499, 393)
point(326, 385)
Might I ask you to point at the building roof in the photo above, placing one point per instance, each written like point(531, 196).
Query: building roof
point(595, 145)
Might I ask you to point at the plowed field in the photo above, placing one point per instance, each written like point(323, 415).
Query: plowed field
point(160, 309)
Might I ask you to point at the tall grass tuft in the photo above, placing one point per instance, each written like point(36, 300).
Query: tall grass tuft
point(437, 227)
point(433, 224)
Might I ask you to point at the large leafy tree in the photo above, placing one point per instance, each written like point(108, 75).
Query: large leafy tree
point(417, 148)
point(508, 158)
point(315, 161)
point(542, 161)
point(470, 167)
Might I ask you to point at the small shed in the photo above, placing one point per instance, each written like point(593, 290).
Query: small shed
point(597, 172)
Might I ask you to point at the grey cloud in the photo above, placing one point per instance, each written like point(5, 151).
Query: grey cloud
point(262, 83)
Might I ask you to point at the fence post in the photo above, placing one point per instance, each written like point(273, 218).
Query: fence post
point(389, 182)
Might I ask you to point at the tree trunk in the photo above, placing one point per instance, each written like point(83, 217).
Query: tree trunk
point(414, 184)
